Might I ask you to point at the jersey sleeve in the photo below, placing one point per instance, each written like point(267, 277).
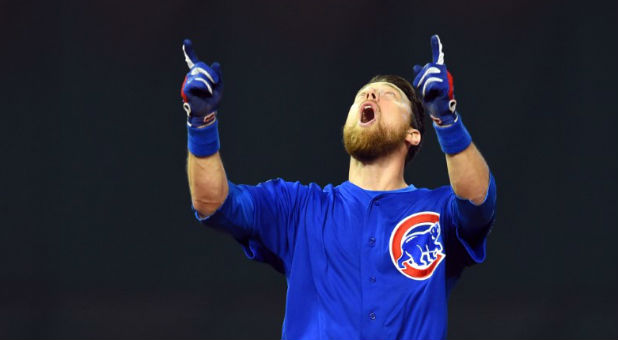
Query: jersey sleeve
point(261, 218)
point(472, 223)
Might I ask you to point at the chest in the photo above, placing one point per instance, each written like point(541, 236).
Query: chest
point(381, 237)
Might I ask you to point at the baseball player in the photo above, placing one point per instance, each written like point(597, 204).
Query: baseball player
point(370, 258)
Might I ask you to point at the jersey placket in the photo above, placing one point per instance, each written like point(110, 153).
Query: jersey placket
point(370, 323)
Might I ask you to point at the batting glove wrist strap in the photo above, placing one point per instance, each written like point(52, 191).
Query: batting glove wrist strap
point(453, 138)
point(203, 141)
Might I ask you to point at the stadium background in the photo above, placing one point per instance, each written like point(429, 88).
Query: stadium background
point(98, 240)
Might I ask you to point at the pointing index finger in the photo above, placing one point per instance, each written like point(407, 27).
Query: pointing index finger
point(187, 50)
point(436, 50)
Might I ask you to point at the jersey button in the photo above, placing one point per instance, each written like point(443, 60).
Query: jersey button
point(372, 279)
point(372, 241)
point(372, 316)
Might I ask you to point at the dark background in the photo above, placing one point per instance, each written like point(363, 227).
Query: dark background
point(98, 239)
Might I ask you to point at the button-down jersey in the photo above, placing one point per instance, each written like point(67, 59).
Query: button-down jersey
point(359, 264)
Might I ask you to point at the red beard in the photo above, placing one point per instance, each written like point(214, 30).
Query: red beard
point(368, 144)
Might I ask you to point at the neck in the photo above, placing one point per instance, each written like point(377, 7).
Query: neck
point(384, 173)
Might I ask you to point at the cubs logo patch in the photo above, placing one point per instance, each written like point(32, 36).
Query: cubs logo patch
point(415, 247)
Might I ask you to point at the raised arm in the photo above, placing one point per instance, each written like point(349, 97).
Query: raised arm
point(201, 93)
point(468, 172)
point(207, 182)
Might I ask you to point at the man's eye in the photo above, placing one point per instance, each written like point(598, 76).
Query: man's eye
point(390, 93)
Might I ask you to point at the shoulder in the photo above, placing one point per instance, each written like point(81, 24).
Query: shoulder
point(439, 192)
point(419, 199)
point(296, 185)
point(281, 187)
point(438, 197)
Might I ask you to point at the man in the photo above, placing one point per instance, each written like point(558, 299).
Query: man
point(372, 257)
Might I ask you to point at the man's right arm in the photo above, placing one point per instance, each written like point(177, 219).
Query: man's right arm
point(261, 217)
point(201, 93)
point(207, 182)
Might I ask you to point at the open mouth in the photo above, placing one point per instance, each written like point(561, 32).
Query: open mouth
point(367, 113)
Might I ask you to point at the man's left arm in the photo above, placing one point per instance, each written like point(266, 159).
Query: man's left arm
point(469, 174)
point(475, 189)
point(474, 205)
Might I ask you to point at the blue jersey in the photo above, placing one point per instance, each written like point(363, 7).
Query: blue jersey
point(359, 264)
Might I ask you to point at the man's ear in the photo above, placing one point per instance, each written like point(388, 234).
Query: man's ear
point(413, 137)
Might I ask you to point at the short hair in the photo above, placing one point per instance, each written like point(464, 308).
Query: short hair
point(417, 120)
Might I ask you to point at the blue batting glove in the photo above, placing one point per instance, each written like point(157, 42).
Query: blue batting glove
point(201, 90)
point(435, 85)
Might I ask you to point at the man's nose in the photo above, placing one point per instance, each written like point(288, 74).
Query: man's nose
point(372, 94)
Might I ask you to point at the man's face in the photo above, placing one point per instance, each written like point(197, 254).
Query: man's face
point(378, 121)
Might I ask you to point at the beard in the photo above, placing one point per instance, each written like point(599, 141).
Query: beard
point(368, 144)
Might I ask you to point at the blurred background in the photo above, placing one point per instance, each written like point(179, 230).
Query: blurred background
point(98, 239)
